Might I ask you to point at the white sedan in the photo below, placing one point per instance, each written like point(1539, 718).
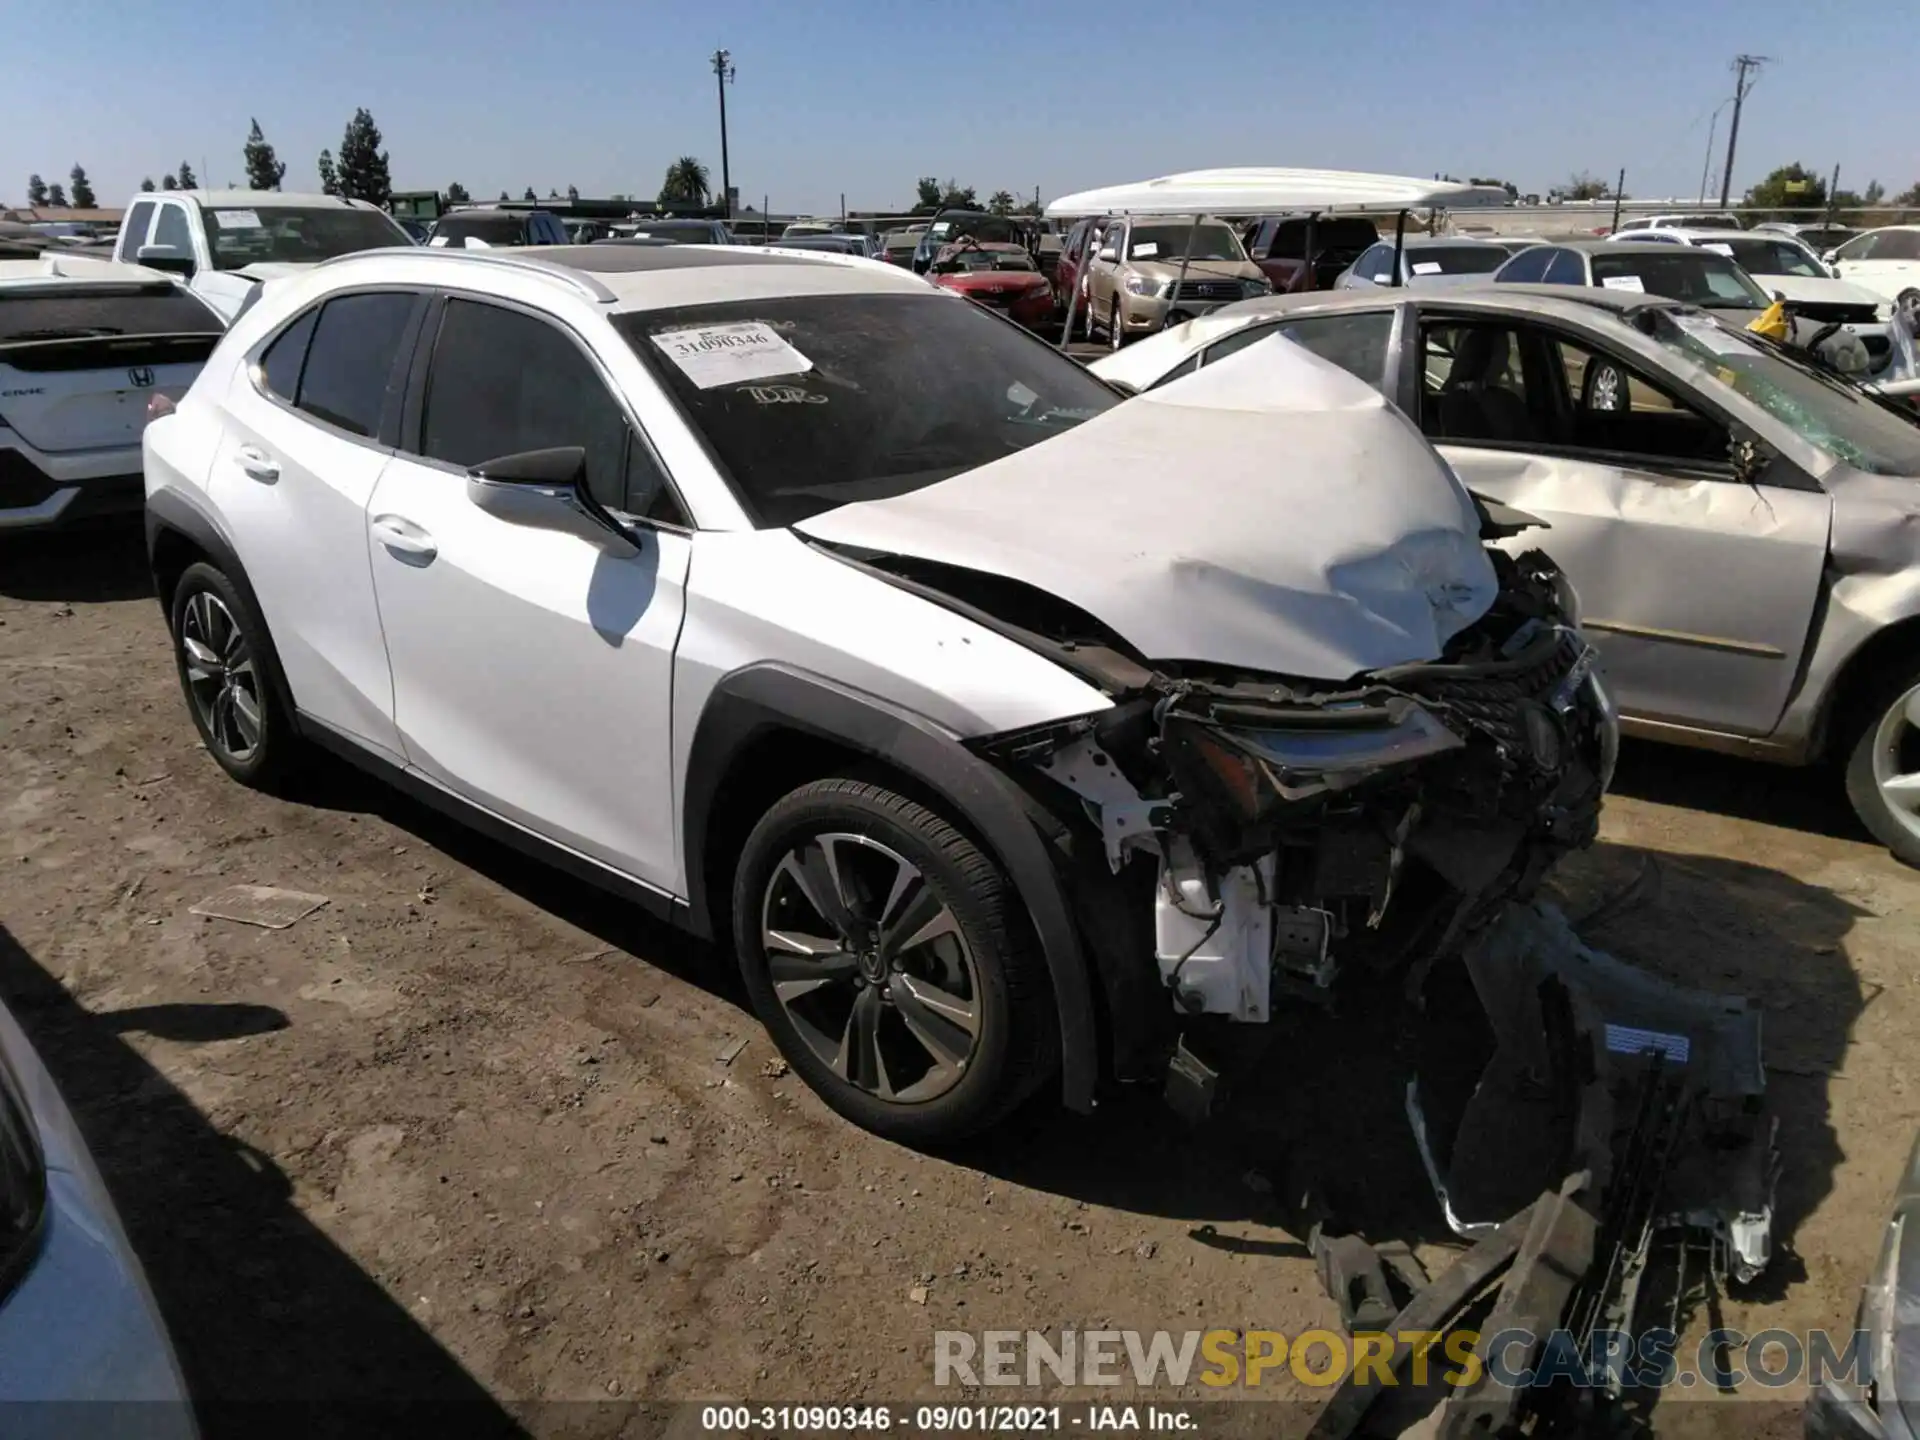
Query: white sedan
point(997, 727)
point(1885, 261)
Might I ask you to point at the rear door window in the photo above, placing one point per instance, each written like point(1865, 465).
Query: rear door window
point(173, 229)
point(1356, 343)
point(133, 230)
point(350, 359)
point(1529, 266)
point(1566, 268)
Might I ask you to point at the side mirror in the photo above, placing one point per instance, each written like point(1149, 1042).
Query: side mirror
point(176, 259)
point(546, 490)
point(1108, 254)
point(1827, 257)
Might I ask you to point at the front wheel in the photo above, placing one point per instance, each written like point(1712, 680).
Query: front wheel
point(1116, 326)
point(889, 959)
point(1883, 769)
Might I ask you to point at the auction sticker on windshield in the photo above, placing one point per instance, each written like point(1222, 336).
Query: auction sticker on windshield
point(716, 355)
point(237, 219)
point(1624, 282)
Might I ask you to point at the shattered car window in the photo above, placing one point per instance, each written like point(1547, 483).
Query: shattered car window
point(811, 402)
point(1836, 417)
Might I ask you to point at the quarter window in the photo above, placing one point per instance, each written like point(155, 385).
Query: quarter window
point(351, 358)
point(504, 382)
point(280, 365)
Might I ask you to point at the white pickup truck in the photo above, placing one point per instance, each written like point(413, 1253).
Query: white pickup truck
point(225, 242)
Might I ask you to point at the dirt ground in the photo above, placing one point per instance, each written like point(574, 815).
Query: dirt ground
point(467, 1133)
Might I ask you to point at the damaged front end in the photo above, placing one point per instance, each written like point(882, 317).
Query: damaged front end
point(1297, 830)
point(1273, 843)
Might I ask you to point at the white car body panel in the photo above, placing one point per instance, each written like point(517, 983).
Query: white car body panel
point(302, 535)
point(1888, 279)
point(532, 670)
point(1253, 562)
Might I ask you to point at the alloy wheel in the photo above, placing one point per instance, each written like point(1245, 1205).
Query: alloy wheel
point(871, 967)
point(1896, 760)
point(222, 677)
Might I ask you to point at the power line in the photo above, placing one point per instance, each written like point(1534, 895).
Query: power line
point(1743, 65)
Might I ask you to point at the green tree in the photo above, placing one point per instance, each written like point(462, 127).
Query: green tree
point(329, 177)
point(56, 197)
point(1029, 207)
point(146, 185)
point(167, 182)
point(1001, 202)
point(573, 192)
point(457, 194)
point(929, 195)
point(529, 195)
point(958, 198)
point(83, 196)
point(188, 180)
point(1586, 187)
point(505, 196)
point(1789, 187)
point(363, 164)
point(686, 182)
point(36, 191)
point(265, 170)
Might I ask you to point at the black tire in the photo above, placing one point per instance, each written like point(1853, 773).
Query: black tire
point(274, 756)
point(1863, 788)
point(1015, 1048)
point(1116, 327)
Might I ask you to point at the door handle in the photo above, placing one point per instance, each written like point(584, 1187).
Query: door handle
point(405, 538)
point(257, 463)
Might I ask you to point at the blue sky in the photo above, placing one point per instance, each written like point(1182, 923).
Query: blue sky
point(861, 97)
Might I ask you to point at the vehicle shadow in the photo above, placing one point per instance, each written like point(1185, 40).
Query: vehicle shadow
point(277, 1329)
point(1810, 799)
point(88, 564)
point(1317, 1128)
point(331, 783)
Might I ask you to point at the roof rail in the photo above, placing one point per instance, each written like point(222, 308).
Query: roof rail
point(578, 280)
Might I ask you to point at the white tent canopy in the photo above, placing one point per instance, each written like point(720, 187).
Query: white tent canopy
point(1264, 190)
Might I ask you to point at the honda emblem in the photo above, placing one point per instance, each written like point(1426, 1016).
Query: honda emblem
point(141, 377)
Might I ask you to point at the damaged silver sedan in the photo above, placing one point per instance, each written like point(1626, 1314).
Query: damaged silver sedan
point(1740, 521)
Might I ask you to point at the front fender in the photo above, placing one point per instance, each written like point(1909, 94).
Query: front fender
point(748, 703)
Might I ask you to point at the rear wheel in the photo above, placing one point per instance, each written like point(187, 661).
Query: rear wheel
point(226, 667)
point(1883, 768)
point(888, 957)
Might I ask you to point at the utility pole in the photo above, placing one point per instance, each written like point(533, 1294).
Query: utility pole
point(1619, 194)
point(1833, 194)
point(1742, 66)
point(723, 76)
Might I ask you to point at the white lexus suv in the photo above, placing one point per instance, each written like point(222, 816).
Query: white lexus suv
point(1008, 731)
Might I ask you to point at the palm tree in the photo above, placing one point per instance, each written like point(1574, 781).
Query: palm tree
point(686, 182)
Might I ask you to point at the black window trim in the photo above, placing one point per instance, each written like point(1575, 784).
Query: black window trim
point(385, 437)
point(420, 365)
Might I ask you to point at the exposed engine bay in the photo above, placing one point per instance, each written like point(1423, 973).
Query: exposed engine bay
point(1265, 844)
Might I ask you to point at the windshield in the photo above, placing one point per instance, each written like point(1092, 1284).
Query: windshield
point(1170, 242)
point(811, 402)
point(1704, 222)
point(972, 258)
point(1700, 277)
point(1840, 419)
point(687, 229)
point(1760, 256)
point(1456, 259)
point(291, 235)
point(980, 227)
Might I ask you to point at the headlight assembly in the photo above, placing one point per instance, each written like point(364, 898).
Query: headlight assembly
point(1145, 285)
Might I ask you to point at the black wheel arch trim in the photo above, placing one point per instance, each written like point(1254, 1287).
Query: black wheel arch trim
point(751, 701)
point(168, 511)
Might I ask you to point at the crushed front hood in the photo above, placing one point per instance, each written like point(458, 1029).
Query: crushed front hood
point(1269, 512)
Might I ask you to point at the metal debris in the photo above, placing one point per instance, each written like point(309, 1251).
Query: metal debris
point(267, 906)
point(732, 1051)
